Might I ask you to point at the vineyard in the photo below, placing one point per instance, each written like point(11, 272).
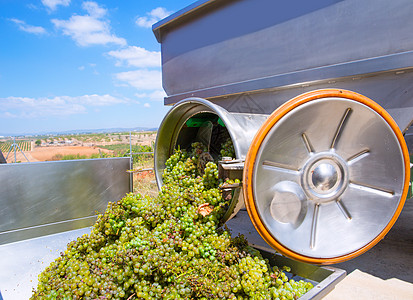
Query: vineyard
point(24, 146)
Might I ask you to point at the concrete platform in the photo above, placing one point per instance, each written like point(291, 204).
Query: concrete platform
point(360, 285)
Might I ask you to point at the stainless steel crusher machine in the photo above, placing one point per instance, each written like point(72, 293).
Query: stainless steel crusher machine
point(316, 96)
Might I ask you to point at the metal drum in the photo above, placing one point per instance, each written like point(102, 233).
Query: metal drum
point(176, 131)
point(319, 185)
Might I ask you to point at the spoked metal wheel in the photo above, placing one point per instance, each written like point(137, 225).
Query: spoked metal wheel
point(326, 176)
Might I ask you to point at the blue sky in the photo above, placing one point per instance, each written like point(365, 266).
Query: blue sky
point(68, 64)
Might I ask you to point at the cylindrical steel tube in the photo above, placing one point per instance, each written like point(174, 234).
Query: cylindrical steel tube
point(172, 132)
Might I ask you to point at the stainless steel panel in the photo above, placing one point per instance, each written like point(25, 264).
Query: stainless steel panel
point(48, 197)
point(323, 75)
point(402, 116)
point(21, 262)
point(181, 14)
point(391, 90)
point(235, 46)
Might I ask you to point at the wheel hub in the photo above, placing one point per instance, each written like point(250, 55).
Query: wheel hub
point(325, 177)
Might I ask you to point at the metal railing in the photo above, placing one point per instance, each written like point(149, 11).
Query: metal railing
point(14, 147)
point(132, 171)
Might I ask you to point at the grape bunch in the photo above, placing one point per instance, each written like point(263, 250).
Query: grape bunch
point(227, 149)
point(210, 176)
point(164, 248)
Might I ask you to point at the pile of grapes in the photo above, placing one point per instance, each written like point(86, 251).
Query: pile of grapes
point(168, 247)
point(227, 149)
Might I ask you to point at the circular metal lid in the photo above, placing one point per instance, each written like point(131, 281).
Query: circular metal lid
point(326, 176)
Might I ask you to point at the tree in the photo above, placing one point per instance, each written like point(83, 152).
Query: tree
point(38, 142)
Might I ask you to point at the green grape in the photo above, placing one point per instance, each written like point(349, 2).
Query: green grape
point(164, 248)
point(227, 149)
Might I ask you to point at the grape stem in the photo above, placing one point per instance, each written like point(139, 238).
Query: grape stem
point(182, 274)
point(130, 297)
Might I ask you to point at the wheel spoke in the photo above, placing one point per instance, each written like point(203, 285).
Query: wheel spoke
point(372, 189)
point(307, 143)
point(343, 209)
point(340, 127)
point(314, 226)
point(358, 156)
point(279, 166)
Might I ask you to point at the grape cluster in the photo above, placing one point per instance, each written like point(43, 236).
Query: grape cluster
point(163, 248)
point(210, 177)
point(227, 149)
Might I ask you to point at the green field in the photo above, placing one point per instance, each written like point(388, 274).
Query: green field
point(24, 146)
point(120, 150)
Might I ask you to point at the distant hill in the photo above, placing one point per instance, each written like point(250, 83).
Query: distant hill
point(80, 131)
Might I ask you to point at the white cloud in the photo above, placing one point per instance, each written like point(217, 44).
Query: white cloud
point(152, 17)
point(9, 115)
point(147, 105)
point(90, 67)
point(89, 29)
point(28, 28)
point(94, 9)
point(157, 95)
point(142, 79)
point(25, 107)
point(137, 57)
point(52, 4)
point(96, 100)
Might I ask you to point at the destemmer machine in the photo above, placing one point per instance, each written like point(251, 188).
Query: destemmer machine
point(316, 98)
